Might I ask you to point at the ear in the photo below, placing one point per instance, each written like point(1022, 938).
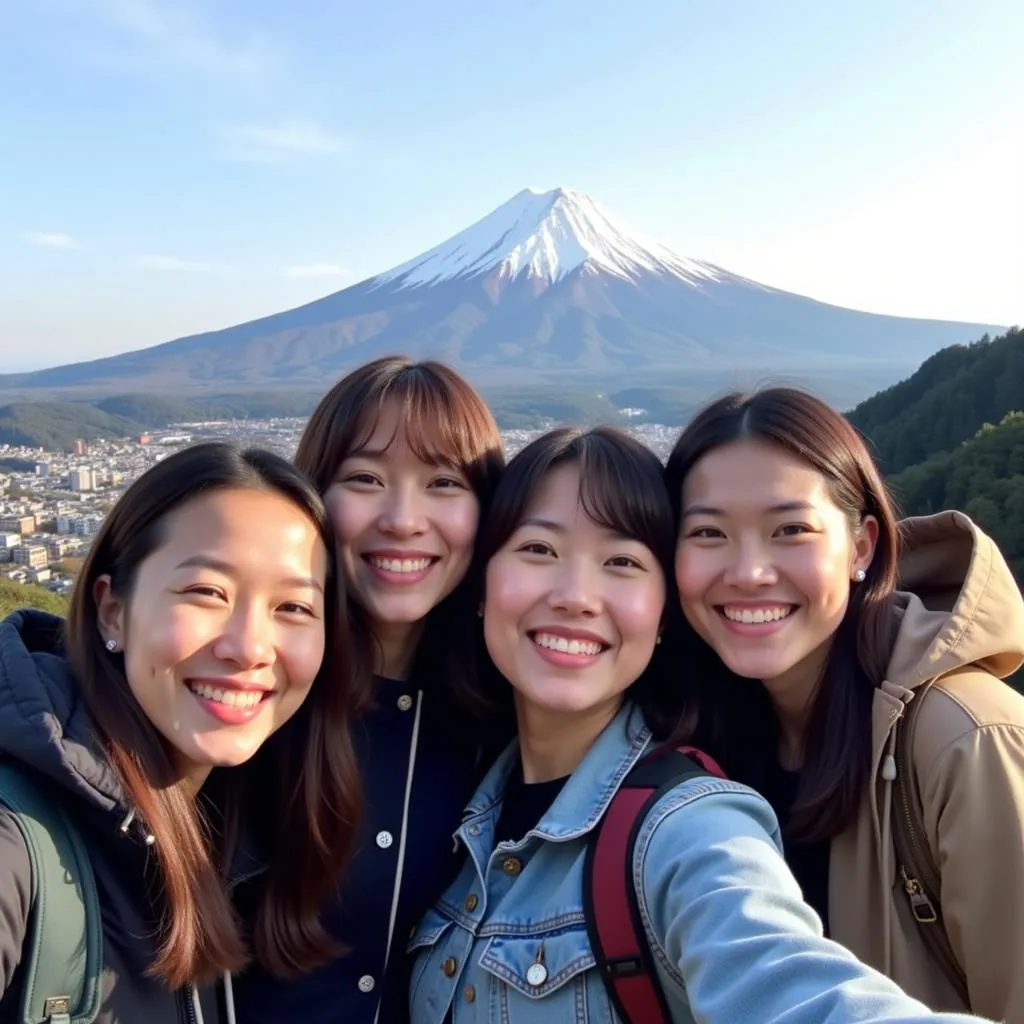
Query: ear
point(110, 611)
point(865, 540)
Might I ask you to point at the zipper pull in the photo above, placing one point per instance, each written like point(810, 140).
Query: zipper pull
point(920, 905)
point(889, 768)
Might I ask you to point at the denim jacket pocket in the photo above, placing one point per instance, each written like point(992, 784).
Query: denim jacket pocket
point(556, 967)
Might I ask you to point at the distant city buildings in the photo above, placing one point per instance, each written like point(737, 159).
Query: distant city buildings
point(51, 511)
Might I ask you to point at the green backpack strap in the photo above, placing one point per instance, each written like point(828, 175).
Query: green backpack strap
point(62, 955)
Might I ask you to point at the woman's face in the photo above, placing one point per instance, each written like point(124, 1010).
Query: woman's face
point(765, 560)
point(405, 527)
point(572, 610)
point(223, 632)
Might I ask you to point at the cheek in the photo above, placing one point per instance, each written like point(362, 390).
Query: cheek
point(160, 637)
point(459, 524)
point(639, 612)
point(692, 573)
point(349, 515)
point(301, 653)
point(825, 572)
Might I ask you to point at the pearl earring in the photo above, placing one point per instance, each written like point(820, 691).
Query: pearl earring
point(859, 575)
point(658, 641)
point(111, 645)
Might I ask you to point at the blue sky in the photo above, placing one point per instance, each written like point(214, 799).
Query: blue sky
point(173, 166)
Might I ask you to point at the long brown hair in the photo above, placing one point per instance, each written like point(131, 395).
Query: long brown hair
point(311, 790)
point(621, 488)
point(837, 743)
point(443, 418)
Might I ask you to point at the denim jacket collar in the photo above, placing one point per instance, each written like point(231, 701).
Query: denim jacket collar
point(590, 788)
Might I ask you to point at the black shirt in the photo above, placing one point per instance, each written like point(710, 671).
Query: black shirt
point(404, 859)
point(809, 862)
point(524, 804)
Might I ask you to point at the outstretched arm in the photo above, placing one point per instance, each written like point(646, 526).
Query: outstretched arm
point(729, 923)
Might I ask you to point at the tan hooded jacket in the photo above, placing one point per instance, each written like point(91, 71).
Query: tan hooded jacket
point(962, 625)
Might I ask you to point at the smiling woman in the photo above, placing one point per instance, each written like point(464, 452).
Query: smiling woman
point(406, 455)
point(196, 631)
point(855, 676)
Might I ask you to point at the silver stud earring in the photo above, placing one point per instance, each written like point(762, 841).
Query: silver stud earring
point(111, 645)
point(658, 641)
point(859, 576)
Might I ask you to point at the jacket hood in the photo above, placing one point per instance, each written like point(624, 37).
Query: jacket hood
point(958, 603)
point(43, 721)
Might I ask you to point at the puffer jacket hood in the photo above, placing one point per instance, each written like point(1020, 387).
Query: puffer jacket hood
point(43, 721)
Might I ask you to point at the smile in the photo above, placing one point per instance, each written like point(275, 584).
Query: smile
point(566, 645)
point(752, 616)
point(401, 566)
point(227, 697)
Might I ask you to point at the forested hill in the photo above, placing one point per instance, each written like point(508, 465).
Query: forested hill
point(983, 477)
point(946, 402)
point(952, 436)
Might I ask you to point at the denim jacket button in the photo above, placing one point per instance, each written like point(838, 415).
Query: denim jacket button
point(471, 902)
point(536, 975)
point(473, 830)
point(512, 866)
point(450, 966)
point(470, 993)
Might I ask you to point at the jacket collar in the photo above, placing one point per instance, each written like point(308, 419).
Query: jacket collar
point(588, 791)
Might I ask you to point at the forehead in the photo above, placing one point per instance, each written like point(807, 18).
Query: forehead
point(753, 473)
point(389, 434)
point(241, 526)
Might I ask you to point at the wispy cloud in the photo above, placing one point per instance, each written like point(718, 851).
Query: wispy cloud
point(52, 240)
point(277, 143)
point(154, 261)
point(305, 270)
point(151, 37)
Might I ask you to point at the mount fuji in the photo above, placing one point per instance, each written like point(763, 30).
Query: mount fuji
point(549, 282)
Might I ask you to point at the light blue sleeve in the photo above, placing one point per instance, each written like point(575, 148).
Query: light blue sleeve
point(730, 925)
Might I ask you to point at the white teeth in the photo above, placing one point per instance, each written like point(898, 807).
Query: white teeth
point(231, 698)
point(401, 564)
point(752, 615)
point(566, 646)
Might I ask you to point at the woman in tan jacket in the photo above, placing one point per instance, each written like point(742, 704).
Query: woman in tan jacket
point(853, 674)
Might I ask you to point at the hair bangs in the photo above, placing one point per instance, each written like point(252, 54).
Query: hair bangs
point(623, 491)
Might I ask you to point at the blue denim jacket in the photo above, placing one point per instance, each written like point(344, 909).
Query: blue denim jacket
point(733, 941)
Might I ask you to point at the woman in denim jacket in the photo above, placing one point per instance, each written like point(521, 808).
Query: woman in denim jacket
point(578, 549)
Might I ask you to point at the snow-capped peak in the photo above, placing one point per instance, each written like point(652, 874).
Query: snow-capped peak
point(547, 235)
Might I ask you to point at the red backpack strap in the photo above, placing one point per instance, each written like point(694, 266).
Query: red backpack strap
point(614, 924)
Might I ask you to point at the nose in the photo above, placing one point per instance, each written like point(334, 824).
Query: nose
point(577, 591)
point(402, 514)
point(751, 567)
point(247, 640)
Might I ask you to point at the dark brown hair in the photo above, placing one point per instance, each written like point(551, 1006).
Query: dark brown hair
point(308, 779)
point(837, 743)
point(622, 489)
point(445, 421)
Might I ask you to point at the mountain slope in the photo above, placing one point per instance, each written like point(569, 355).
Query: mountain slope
point(548, 283)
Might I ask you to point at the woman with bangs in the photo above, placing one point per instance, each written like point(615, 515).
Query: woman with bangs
point(578, 550)
point(406, 456)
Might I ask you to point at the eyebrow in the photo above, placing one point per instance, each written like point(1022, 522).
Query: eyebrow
point(218, 565)
point(379, 454)
point(550, 524)
point(786, 506)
